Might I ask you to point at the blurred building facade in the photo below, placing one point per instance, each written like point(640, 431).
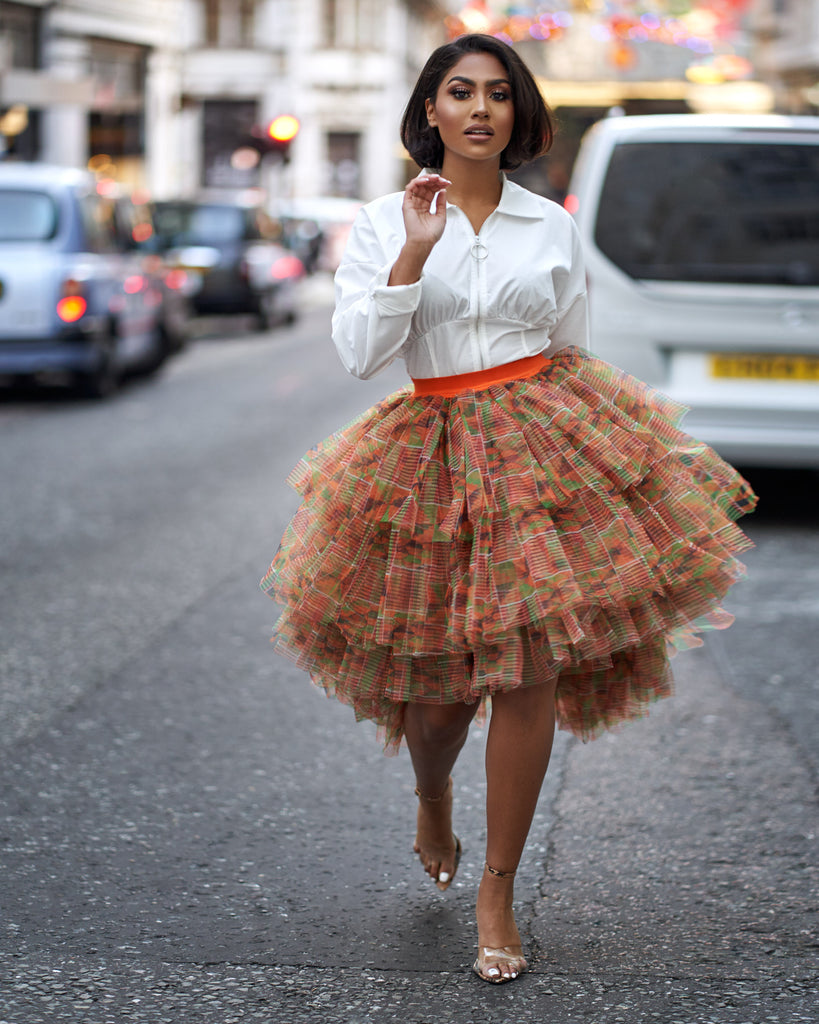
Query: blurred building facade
point(168, 94)
point(77, 79)
point(162, 93)
point(786, 52)
point(343, 68)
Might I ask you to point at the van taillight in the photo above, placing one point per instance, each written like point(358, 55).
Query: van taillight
point(71, 305)
point(571, 203)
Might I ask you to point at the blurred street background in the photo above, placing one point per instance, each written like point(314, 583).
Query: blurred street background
point(189, 832)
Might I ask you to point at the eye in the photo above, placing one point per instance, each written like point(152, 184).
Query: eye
point(460, 92)
point(500, 95)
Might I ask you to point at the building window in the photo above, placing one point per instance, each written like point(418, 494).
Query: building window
point(370, 23)
point(212, 22)
point(344, 164)
point(229, 23)
point(329, 15)
point(119, 71)
point(116, 135)
point(352, 24)
point(227, 127)
point(20, 29)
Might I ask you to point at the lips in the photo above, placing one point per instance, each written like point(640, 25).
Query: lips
point(479, 130)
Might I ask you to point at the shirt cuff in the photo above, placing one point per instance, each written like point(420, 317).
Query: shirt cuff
point(396, 299)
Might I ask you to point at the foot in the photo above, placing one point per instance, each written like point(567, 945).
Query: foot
point(500, 955)
point(438, 849)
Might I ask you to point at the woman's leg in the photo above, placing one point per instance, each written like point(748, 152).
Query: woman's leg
point(518, 747)
point(435, 734)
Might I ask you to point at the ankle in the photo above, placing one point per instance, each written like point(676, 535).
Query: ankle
point(497, 872)
point(437, 795)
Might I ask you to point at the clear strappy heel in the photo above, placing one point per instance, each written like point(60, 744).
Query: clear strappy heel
point(502, 963)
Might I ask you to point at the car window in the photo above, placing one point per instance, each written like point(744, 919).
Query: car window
point(214, 224)
point(210, 225)
point(27, 216)
point(170, 223)
point(99, 223)
point(725, 212)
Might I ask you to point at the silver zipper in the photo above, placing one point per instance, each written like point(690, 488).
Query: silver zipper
point(479, 252)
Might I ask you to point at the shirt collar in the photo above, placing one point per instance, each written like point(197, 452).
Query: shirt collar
point(519, 202)
point(514, 201)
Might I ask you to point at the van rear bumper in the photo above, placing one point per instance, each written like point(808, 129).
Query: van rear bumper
point(760, 443)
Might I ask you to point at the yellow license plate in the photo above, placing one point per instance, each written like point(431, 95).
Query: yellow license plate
point(766, 367)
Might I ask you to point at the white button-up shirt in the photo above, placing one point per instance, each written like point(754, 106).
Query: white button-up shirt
point(515, 289)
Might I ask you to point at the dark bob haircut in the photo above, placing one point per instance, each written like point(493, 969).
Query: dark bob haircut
point(533, 129)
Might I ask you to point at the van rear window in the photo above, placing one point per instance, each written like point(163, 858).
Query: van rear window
point(26, 216)
point(713, 211)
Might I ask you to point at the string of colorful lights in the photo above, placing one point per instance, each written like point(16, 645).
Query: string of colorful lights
point(704, 27)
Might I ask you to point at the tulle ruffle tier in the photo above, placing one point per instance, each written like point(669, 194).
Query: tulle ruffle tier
point(560, 526)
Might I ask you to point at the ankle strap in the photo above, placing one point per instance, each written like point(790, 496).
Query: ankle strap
point(499, 874)
point(434, 799)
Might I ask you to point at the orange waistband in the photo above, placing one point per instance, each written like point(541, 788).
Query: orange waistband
point(446, 387)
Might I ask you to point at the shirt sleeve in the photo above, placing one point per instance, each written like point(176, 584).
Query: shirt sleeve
point(572, 301)
point(371, 319)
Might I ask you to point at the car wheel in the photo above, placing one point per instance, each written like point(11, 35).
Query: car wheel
point(269, 314)
point(102, 381)
point(163, 347)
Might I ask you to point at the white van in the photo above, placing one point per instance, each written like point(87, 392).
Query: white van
point(701, 236)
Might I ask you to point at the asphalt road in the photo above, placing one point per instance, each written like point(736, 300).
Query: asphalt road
point(190, 832)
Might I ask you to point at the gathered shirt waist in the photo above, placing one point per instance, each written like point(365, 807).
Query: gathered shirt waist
point(511, 291)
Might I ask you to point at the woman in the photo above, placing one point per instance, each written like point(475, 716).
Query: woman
point(526, 524)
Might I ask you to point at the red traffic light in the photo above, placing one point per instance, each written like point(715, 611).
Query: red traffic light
point(283, 128)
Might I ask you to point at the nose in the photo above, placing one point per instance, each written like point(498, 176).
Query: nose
point(480, 109)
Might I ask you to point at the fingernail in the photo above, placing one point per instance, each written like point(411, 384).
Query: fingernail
point(443, 876)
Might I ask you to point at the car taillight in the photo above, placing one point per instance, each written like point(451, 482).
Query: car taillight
point(176, 279)
point(142, 232)
point(72, 305)
point(133, 284)
point(286, 267)
point(571, 203)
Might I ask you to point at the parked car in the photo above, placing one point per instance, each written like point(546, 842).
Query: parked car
point(73, 296)
point(701, 235)
point(233, 256)
point(135, 226)
point(320, 225)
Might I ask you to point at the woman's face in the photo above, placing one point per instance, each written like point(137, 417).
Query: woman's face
point(473, 109)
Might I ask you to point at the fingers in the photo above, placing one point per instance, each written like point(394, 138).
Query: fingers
point(431, 182)
point(426, 186)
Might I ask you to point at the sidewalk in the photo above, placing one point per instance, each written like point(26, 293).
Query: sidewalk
point(672, 875)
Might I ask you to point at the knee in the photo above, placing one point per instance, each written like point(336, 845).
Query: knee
point(529, 703)
point(441, 725)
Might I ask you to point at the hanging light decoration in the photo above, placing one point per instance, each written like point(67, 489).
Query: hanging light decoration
point(704, 27)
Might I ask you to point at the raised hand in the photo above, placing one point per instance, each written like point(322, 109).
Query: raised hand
point(421, 224)
point(423, 227)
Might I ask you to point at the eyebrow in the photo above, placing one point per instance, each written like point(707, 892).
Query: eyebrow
point(468, 81)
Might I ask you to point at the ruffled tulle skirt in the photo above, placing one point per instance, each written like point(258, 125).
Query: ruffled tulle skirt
point(559, 527)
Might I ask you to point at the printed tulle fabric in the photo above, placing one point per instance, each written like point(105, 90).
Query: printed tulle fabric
point(560, 526)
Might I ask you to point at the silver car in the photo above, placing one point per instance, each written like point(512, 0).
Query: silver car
point(701, 235)
point(74, 298)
